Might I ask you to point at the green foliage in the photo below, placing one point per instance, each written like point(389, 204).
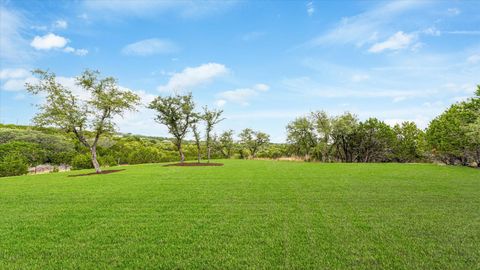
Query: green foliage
point(145, 155)
point(81, 161)
point(177, 114)
point(252, 141)
point(12, 164)
point(66, 111)
point(301, 136)
point(32, 153)
point(449, 135)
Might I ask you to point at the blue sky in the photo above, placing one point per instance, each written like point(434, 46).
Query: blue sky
point(264, 63)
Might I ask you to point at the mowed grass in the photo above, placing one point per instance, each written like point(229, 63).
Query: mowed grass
point(246, 214)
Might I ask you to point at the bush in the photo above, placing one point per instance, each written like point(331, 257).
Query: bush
point(82, 161)
point(145, 155)
point(13, 164)
point(107, 160)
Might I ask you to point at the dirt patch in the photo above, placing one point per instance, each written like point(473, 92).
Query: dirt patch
point(193, 164)
point(94, 173)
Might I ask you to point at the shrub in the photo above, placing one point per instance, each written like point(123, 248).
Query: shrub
point(107, 160)
point(13, 164)
point(82, 161)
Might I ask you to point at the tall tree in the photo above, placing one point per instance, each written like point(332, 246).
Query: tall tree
point(343, 130)
point(323, 126)
point(177, 114)
point(301, 136)
point(225, 143)
point(409, 140)
point(373, 141)
point(198, 143)
point(211, 118)
point(253, 140)
point(63, 109)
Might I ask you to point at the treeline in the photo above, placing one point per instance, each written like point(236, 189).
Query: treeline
point(452, 138)
point(22, 147)
point(81, 133)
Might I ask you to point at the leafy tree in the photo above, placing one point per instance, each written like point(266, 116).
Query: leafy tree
point(343, 131)
point(301, 136)
point(177, 113)
point(13, 164)
point(374, 141)
point(63, 109)
point(211, 117)
point(253, 140)
point(323, 126)
point(197, 137)
point(226, 144)
point(449, 135)
point(408, 142)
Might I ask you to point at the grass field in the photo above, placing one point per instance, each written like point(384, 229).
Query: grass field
point(246, 214)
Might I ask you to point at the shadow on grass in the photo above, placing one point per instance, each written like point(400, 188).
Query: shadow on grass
point(94, 173)
point(193, 164)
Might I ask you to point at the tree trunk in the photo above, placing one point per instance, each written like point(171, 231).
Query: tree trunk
point(208, 154)
point(198, 155)
point(180, 151)
point(95, 163)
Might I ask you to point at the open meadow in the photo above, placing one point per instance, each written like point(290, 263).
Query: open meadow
point(245, 214)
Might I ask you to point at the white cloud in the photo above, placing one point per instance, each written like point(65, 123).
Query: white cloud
point(363, 28)
point(432, 31)
point(48, 42)
point(473, 59)
point(13, 73)
point(360, 77)
point(79, 52)
point(193, 76)
point(463, 32)
point(453, 11)
point(241, 96)
point(51, 41)
point(149, 47)
point(14, 79)
point(310, 8)
point(261, 87)
point(60, 24)
point(396, 42)
point(220, 102)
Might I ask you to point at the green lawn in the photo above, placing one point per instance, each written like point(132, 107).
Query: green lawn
point(246, 214)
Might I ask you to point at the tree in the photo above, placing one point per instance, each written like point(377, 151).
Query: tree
point(63, 109)
point(197, 137)
point(177, 113)
point(343, 130)
point(408, 142)
point(211, 119)
point(374, 141)
point(253, 140)
point(225, 143)
point(449, 135)
point(323, 126)
point(301, 136)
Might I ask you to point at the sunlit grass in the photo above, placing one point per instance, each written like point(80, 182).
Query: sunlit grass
point(246, 214)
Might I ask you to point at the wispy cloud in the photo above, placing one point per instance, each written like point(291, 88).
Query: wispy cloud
point(241, 96)
point(150, 46)
point(310, 8)
point(363, 28)
point(14, 47)
point(398, 41)
point(191, 77)
point(141, 8)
